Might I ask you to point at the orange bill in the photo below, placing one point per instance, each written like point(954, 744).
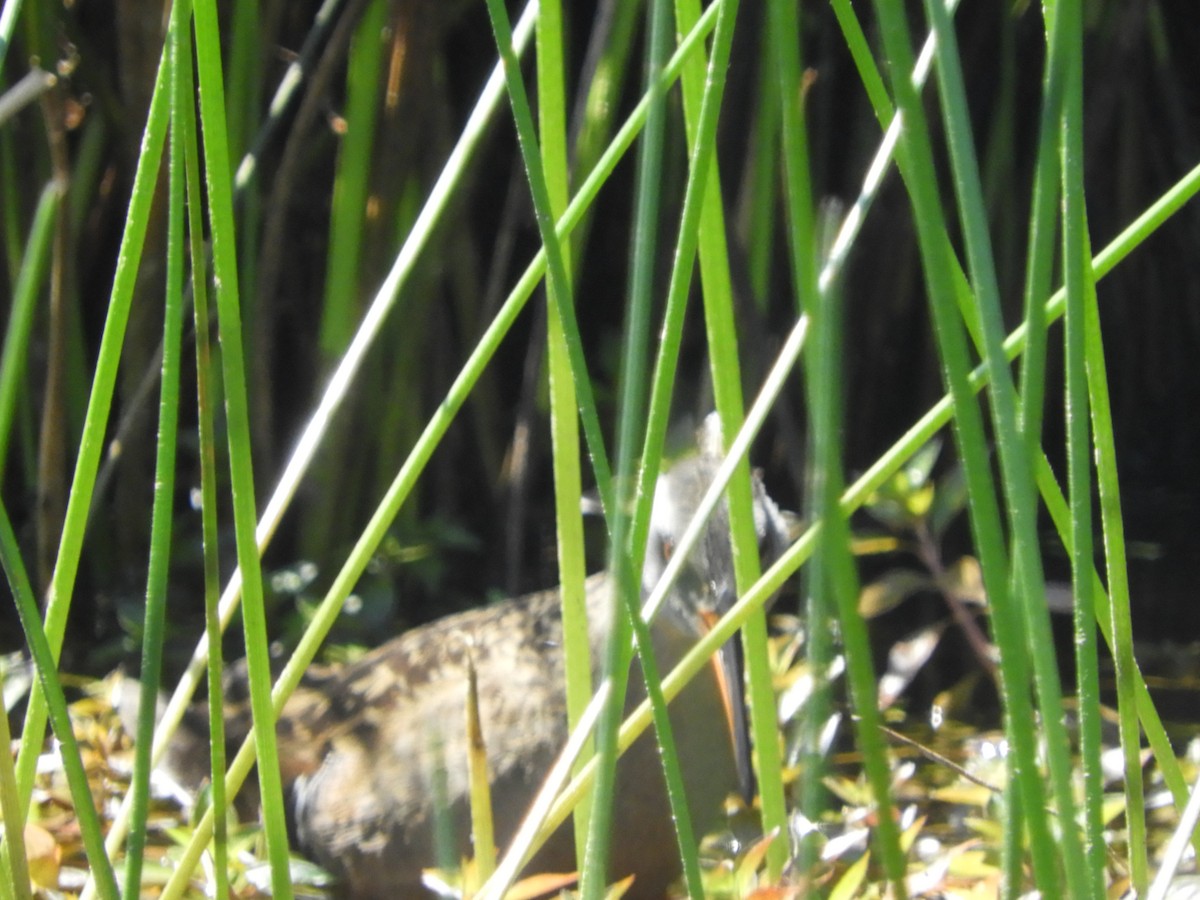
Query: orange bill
point(728, 665)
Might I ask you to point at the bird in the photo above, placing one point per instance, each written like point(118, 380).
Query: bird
point(373, 753)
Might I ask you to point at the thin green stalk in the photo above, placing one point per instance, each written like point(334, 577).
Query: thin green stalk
point(347, 217)
point(679, 285)
point(1108, 615)
point(164, 467)
point(225, 276)
point(885, 113)
point(1068, 18)
point(560, 293)
point(864, 61)
point(479, 790)
point(88, 167)
point(87, 171)
point(206, 392)
point(784, 27)
point(564, 422)
point(1039, 254)
point(611, 45)
point(1133, 700)
point(29, 279)
point(559, 284)
point(47, 668)
point(92, 441)
point(628, 533)
point(1038, 272)
point(721, 332)
point(552, 111)
point(643, 247)
point(342, 302)
point(244, 84)
point(914, 155)
point(841, 578)
point(837, 581)
point(14, 867)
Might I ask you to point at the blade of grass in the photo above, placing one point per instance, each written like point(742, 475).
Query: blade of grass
point(1038, 272)
point(607, 62)
point(887, 117)
point(343, 299)
point(837, 579)
point(1039, 254)
point(1132, 698)
point(1106, 615)
point(841, 578)
point(213, 121)
point(564, 423)
point(29, 280)
point(347, 218)
point(700, 89)
point(643, 253)
point(243, 86)
point(158, 568)
point(207, 389)
point(14, 868)
point(527, 835)
point(11, 209)
point(43, 657)
point(559, 284)
point(244, 92)
point(784, 27)
point(1077, 284)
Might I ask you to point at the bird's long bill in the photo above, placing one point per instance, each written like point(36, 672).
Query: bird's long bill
point(729, 666)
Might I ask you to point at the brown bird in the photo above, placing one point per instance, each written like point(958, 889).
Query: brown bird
point(373, 753)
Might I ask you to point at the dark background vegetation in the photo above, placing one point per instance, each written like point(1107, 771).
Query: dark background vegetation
point(481, 524)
